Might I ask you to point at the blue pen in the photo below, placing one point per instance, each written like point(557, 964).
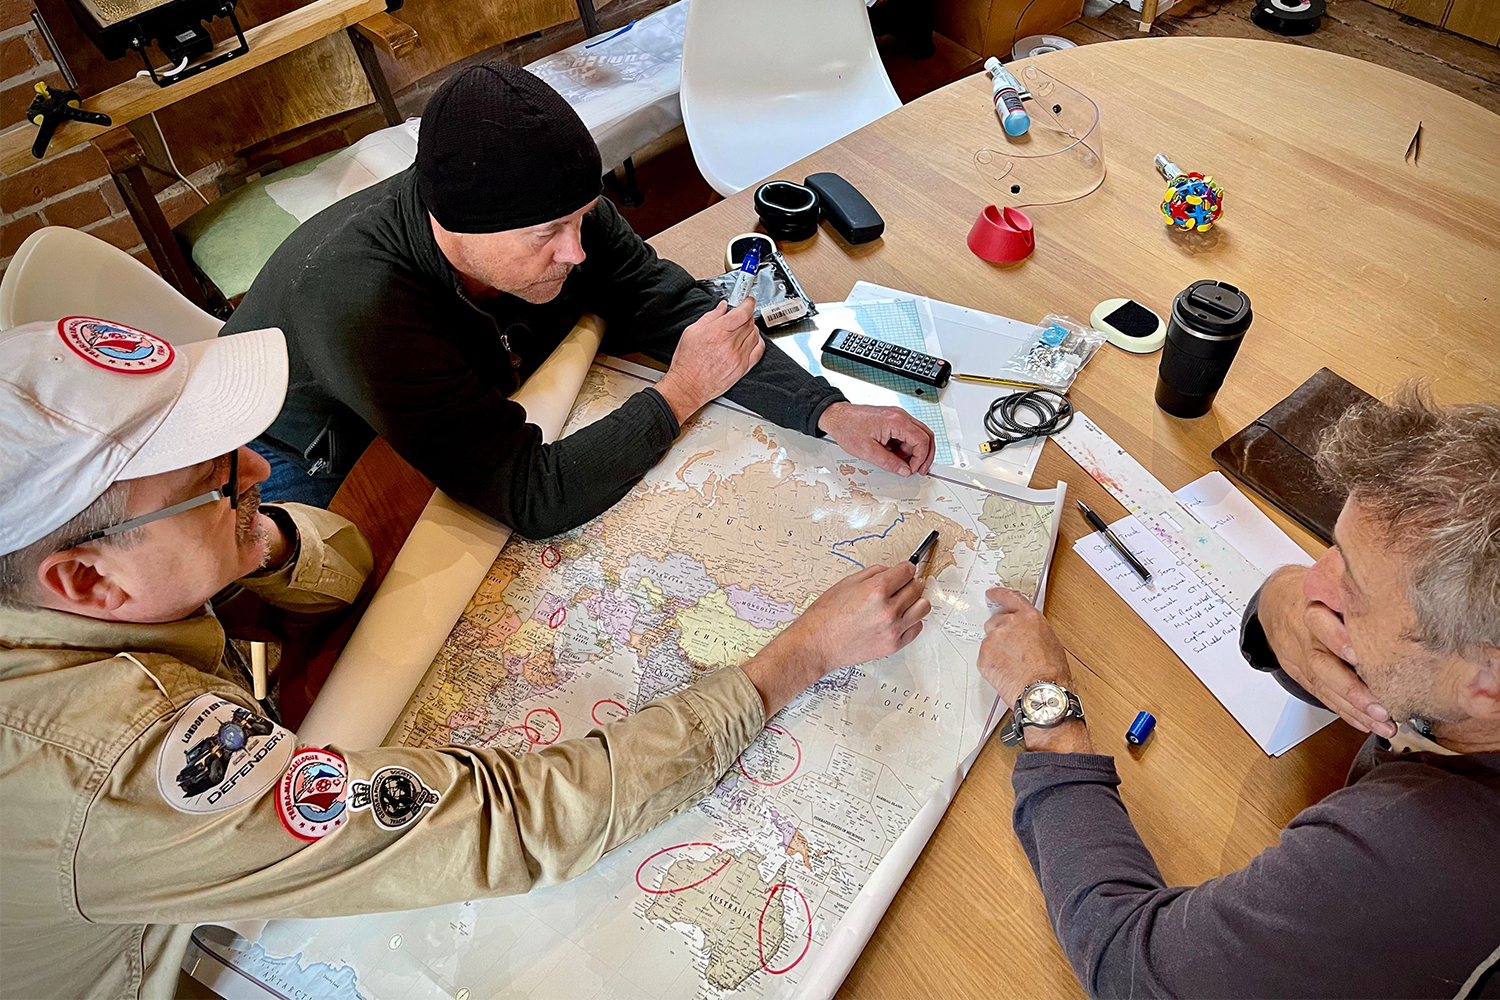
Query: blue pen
point(745, 276)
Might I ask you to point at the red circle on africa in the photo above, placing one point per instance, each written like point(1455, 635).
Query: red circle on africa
point(551, 557)
point(540, 711)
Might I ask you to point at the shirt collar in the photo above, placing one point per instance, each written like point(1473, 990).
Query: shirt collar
point(197, 640)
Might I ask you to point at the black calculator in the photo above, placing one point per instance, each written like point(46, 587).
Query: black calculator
point(888, 357)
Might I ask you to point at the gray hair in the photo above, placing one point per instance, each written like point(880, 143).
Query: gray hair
point(18, 569)
point(1432, 474)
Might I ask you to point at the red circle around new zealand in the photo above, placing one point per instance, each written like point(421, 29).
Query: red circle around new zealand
point(760, 941)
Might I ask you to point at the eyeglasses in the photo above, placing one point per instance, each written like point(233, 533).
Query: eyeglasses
point(229, 491)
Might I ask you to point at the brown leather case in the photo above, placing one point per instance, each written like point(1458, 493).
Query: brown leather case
point(1274, 455)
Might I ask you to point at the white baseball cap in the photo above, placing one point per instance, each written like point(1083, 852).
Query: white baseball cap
point(85, 402)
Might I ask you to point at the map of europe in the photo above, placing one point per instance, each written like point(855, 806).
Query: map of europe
point(730, 537)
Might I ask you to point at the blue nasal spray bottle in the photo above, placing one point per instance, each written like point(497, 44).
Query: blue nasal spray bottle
point(1007, 95)
point(744, 278)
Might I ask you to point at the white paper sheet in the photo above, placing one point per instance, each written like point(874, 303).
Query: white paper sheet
point(976, 342)
point(1204, 632)
point(439, 567)
point(1245, 526)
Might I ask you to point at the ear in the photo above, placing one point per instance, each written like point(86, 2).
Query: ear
point(1483, 689)
point(72, 581)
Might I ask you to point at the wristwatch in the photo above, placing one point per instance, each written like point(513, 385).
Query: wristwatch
point(1043, 704)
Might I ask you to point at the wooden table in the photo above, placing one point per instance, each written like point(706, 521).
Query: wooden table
point(1354, 259)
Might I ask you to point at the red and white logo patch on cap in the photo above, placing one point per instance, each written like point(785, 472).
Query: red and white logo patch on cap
point(115, 346)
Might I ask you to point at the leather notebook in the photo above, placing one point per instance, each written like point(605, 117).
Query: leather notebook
point(1274, 455)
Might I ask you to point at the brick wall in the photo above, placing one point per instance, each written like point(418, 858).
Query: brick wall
point(71, 188)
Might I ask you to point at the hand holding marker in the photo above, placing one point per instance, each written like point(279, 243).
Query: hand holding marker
point(744, 278)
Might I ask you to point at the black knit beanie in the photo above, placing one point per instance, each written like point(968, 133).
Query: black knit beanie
point(499, 149)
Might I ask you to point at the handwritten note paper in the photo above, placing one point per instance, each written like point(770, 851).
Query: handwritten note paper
point(1202, 629)
point(1242, 524)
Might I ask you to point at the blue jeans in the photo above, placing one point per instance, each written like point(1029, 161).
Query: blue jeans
point(288, 481)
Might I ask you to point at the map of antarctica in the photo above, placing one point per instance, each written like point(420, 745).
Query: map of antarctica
point(733, 534)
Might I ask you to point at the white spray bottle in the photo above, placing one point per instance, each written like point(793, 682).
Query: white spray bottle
point(1007, 92)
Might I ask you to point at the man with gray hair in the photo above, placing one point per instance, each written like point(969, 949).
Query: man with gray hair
point(1389, 887)
point(143, 789)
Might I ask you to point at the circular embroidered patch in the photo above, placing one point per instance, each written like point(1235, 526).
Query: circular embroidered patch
point(311, 797)
point(219, 755)
point(115, 346)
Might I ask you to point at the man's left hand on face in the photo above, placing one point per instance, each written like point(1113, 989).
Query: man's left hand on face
point(886, 435)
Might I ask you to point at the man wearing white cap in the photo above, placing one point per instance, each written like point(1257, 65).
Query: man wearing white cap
point(143, 789)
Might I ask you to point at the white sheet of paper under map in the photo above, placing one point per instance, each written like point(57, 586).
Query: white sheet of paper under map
point(772, 885)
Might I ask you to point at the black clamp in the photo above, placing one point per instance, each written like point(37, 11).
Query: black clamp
point(50, 108)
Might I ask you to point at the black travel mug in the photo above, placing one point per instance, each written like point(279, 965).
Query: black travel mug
point(1209, 319)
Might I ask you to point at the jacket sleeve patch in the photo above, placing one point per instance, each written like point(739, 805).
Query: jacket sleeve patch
point(220, 755)
point(395, 796)
point(312, 799)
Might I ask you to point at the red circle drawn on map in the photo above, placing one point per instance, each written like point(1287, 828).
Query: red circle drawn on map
point(528, 730)
point(528, 725)
point(594, 712)
point(558, 617)
point(780, 781)
point(551, 557)
point(664, 892)
point(760, 941)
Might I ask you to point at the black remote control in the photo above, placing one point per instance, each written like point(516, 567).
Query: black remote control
point(889, 357)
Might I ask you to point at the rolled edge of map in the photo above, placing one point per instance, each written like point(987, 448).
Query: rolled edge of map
point(439, 567)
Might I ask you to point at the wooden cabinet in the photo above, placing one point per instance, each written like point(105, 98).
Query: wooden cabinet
point(1476, 18)
point(991, 27)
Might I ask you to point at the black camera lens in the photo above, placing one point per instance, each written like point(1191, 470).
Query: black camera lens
point(788, 211)
point(1209, 319)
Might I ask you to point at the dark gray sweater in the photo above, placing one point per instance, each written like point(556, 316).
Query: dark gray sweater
point(383, 340)
point(1389, 887)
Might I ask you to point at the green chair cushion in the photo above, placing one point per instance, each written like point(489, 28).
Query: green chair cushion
point(231, 240)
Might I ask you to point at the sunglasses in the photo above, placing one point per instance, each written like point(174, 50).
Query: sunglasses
point(229, 491)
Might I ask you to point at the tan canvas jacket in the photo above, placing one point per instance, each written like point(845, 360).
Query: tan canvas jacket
point(144, 792)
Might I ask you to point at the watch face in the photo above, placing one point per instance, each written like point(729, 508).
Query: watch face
point(1044, 703)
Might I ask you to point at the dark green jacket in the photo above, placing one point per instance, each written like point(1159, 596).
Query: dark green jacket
point(384, 340)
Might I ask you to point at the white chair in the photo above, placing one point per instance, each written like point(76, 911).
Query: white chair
point(61, 272)
point(766, 83)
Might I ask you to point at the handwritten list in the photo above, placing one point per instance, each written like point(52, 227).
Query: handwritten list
point(1204, 631)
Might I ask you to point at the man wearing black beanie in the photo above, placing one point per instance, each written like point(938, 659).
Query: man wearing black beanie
point(414, 308)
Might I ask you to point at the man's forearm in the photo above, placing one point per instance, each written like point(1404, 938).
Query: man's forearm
point(1095, 873)
point(542, 490)
point(1257, 651)
point(777, 388)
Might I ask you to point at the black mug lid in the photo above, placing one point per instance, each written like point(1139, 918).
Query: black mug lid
point(1213, 309)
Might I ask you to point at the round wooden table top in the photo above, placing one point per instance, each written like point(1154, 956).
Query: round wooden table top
point(1355, 258)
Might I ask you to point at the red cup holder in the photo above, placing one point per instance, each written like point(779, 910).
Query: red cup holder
point(1002, 236)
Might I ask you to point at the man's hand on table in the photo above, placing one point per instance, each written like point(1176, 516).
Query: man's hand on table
point(886, 435)
point(1313, 647)
point(1019, 649)
point(863, 617)
point(714, 353)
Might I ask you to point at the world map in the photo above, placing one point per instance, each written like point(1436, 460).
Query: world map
point(734, 534)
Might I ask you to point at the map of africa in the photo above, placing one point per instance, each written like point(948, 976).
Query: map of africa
point(714, 552)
